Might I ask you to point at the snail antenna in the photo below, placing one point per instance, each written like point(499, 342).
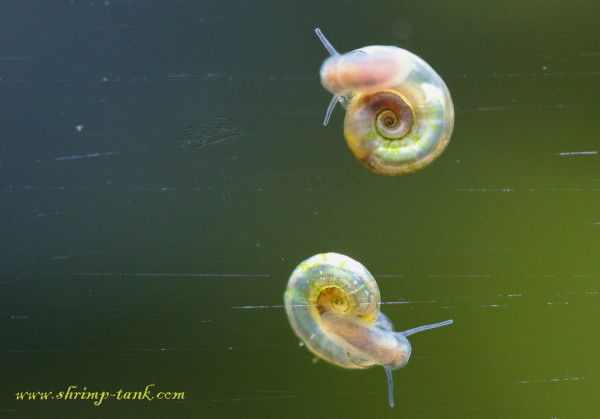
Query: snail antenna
point(390, 381)
point(330, 108)
point(326, 43)
point(426, 327)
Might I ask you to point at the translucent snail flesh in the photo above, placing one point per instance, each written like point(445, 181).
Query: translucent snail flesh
point(332, 303)
point(399, 113)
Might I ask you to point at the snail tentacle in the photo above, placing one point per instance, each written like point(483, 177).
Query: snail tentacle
point(330, 108)
point(426, 327)
point(326, 43)
point(390, 380)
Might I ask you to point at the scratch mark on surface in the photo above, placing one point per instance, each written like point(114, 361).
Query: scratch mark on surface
point(235, 400)
point(206, 19)
point(15, 58)
point(546, 74)
point(172, 275)
point(80, 156)
point(255, 243)
point(110, 187)
point(485, 190)
point(232, 158)
point(186, 77)
point(561, 275)
point(86, 156)
point(446, 302)
point(299, 112)
point(486, 407)
point(30, 188)
point(10, 79)
point(281, 174)
point(225, 193)
point(253, 307)
point(549, 380)
point(124, 350)
point(125, 2)
point(578, 293)
point(75, 255)
point(462, 276)
point(303, 305)
point(206, 133)
point(527, 190)
point(47, 214)
point(575, 153)
point(526, 107)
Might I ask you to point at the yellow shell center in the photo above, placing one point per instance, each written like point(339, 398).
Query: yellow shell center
point(395, 118)
point(332, 299)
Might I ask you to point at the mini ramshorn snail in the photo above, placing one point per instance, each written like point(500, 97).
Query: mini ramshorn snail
point(332, 303)
point(399, 114)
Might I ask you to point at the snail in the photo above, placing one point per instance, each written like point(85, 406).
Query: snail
point(332, 303)
point(399, 113)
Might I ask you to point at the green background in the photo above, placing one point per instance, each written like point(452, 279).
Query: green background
point(164, 168)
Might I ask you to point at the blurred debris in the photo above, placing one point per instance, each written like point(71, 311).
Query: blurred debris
point(206, 133)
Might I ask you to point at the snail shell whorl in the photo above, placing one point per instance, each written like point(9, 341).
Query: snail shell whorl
point(329, 282)
point(332, 303)
point(419, 110)
point(409, 115)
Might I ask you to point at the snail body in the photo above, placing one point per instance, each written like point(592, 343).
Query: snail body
point(332, 303)
point(399, 113)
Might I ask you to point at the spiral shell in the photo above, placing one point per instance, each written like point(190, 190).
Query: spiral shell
point(332, 303)
point(329, 282)
point(399, 114)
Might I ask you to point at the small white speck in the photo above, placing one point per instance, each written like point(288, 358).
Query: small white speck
point(79, 127)
point(301, 344)
point(104, 79)
point(230, 348)
point(544, 68)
